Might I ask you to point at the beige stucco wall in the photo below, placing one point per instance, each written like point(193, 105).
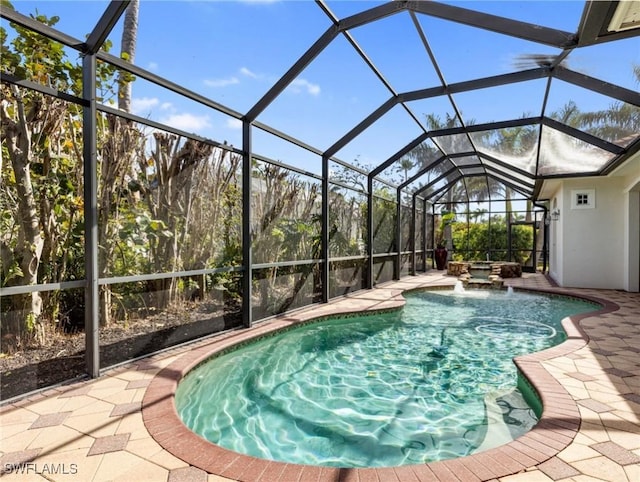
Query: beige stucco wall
point(586, 245)
point(593, 240)
point(632, 240)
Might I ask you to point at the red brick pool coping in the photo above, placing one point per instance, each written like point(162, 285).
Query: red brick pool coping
point(556, 429)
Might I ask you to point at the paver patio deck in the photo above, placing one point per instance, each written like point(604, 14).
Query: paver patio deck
point(123, 427)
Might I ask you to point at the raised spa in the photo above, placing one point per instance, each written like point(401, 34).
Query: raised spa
point(480, 270)
point(432, 381)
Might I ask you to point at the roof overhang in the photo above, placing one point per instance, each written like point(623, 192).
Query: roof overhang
point(603, 21)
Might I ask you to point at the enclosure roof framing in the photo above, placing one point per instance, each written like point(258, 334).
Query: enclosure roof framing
point(519, 109)
point(104, 26)
point(551, 68)
point(32, 24)
point(502, 25)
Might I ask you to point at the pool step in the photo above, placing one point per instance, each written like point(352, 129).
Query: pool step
point(498, 432)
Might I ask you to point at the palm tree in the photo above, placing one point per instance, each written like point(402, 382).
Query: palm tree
point(122, 144)
point(517, 141)
point(405, 165)
point(617, 124)
point(128, 53)
point(472, 188)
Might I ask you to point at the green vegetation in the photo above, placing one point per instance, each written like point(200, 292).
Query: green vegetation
point(168, 203)
point(472, 243)
point(165, 203)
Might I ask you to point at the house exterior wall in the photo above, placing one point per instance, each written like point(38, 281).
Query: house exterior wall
point(587, 245)
point(632, 240)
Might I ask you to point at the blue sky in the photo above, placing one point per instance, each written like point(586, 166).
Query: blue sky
point(233, 52)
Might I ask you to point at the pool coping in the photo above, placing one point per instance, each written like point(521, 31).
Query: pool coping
point(556, 429)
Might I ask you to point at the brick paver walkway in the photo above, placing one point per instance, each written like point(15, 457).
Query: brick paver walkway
point(122, 426)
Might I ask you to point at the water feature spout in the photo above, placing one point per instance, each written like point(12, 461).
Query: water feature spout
point(509, 291)
point(458, 288)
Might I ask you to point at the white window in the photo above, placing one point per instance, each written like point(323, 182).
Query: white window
point(583, 199)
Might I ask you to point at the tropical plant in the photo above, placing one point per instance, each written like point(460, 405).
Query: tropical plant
point(404, 165)
point(285, 226)
point(164, 203)
point(472, 240)
point(41, 136)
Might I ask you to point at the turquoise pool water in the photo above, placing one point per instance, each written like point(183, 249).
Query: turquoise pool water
point(432, 381)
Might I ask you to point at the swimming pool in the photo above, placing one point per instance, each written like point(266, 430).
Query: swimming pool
point(429, 382)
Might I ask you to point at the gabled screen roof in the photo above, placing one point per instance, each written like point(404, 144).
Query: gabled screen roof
point(419, 95)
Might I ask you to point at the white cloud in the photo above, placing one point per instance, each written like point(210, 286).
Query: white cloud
point(221, 82)
point(152, 66)
point(143, 105)
point(248, 73)
point(187, 122)
point(166, 106)
point(234, 123)
point(298, 85)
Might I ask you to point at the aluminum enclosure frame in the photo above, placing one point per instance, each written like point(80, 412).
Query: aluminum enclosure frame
point(590, 32)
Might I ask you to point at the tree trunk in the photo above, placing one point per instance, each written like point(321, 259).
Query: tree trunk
point(123, 144)
point(27, 307)
point(448, 233)
point(508, 205)
point(117, 160)
point(128, 41)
